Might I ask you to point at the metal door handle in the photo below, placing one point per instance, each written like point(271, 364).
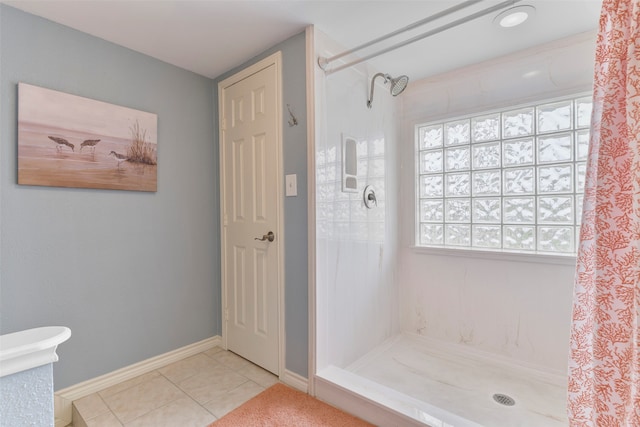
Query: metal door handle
point(269, 236)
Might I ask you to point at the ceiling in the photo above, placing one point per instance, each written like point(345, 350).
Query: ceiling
point(210, 37)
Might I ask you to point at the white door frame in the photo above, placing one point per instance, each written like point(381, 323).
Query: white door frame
point(311, 204)
point(275, 60)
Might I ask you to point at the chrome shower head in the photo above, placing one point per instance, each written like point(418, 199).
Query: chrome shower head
point(398, 85)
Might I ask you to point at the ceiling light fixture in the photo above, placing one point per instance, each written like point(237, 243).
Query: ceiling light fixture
point(514, 16)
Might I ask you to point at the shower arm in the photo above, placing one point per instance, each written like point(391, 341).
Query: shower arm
point(387, 77)
point(324, 62)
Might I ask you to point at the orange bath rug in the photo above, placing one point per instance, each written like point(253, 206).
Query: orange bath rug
point(282, 406)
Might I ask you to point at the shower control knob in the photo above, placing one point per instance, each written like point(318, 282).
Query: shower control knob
point(369, 197)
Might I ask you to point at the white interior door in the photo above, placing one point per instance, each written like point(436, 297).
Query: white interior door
point(251, 206)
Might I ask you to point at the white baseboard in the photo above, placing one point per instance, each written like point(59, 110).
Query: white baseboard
point(64, 398)
point(294, 380)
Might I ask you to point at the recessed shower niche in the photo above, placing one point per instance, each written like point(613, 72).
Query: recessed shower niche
point(349, 165)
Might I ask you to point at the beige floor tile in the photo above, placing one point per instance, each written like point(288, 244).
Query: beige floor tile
point(183, 412)
point(231, 360)
point(205, 387)
point(213, 351)
point(258, 375)
point(104, 420)
point(213, 370)
point(128, 384)
point(225, 402)
point(90, 406)
point(143, 398)
point(188, 367)
point(217, 379)
point(77, 420)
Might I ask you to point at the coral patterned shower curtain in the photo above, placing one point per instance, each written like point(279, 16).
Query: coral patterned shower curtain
point(604, 362)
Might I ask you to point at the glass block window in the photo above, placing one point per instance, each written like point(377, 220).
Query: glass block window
point(510, 180)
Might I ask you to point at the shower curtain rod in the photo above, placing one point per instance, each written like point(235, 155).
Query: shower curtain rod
point(324, 62)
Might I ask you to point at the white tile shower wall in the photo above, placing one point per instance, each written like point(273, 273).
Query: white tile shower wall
point(356, 247)
point(517, 310)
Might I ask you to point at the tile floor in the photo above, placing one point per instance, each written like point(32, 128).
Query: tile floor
point(193, 392)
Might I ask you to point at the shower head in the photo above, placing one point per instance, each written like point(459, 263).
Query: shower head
point(398, 85)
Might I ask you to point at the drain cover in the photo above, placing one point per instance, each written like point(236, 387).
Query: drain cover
point(503, 399)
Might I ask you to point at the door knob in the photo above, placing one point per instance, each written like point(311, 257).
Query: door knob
point(269, 236)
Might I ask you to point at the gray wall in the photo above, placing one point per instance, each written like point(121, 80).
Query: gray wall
point(133, 274)
point(295, 208)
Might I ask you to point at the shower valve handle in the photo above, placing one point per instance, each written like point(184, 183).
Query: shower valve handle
point(369, 197)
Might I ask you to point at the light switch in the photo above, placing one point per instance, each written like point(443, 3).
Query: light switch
point(291, 185)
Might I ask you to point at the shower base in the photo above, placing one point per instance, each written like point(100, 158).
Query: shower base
point(427, 384)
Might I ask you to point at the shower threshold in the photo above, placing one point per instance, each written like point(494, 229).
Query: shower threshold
point(383, 406)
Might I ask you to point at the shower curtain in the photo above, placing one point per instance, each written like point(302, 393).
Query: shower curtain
point(604, 362)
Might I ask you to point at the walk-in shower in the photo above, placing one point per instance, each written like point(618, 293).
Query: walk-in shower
point(433, 339)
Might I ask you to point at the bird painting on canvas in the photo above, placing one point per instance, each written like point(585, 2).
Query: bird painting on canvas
point(61, 142)
point(90, 143)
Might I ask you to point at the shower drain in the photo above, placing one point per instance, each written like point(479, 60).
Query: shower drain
point(503, 399)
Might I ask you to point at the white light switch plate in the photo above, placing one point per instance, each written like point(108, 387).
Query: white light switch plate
point(291, 185)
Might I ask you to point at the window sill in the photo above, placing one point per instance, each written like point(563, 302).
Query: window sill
point(541, 258)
